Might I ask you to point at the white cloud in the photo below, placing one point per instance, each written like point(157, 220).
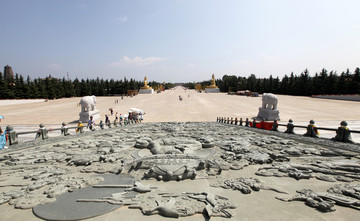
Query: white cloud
point(191, 65)
point(55, 67)
point(137, 61)
point(122, 19)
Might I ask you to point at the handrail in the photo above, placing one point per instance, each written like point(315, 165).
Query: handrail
point(321, 128)
point(43, 132)
point(342, 133)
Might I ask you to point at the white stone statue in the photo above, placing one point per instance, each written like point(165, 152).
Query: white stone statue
point(88, 108)
point(88, 103)
point(269, 101)
point(268, 111)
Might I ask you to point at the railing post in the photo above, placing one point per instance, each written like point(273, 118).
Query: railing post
point(240, 122)
point(312, 130)
point(42, 132)
point(236, 120)
point(247, 122)
point(64, 129)
point(343, 134)
point(275, 126)
point(12, 136)
point(254, 123)
point(290, 127)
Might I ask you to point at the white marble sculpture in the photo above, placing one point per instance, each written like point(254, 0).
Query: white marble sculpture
point(268, 111)
point(269, 101)
point(88, 108)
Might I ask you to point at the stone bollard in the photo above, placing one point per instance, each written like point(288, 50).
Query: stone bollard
point(42, 132)
point(343, 134)
point(275, 126)
point(240, 122)
point(12, 136)
point(290, 127)
point(247, 122)
point(311, 130)
point(64, 129)
point(232, 121)
point(236, 120)
point(228, 120)
point(254, 123)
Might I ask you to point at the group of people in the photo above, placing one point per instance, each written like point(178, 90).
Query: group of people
point(122, 119)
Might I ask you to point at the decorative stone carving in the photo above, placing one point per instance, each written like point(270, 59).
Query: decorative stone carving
point(245, 185)
point(341, 194)
point(172, 166)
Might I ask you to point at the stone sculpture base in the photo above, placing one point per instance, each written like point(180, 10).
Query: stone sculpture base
point(267, 115)
point(146, 91)
point(212, 90)
point(85, 116)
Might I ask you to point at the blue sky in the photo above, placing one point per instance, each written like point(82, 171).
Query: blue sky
point(178, 41)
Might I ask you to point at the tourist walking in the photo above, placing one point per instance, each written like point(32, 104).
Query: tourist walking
point(107, 119)
point(91, 123)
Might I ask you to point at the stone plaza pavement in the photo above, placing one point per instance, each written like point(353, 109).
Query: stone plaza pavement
point(195, 107)
point(200, 107)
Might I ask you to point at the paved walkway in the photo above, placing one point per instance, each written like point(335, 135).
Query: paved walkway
point(166, 107)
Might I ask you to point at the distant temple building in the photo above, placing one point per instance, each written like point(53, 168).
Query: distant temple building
point(8, 72)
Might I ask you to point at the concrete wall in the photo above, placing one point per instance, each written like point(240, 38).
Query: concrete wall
point(347, 97)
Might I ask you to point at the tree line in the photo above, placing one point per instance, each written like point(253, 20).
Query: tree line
point(301, 85)
point(18, 88)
